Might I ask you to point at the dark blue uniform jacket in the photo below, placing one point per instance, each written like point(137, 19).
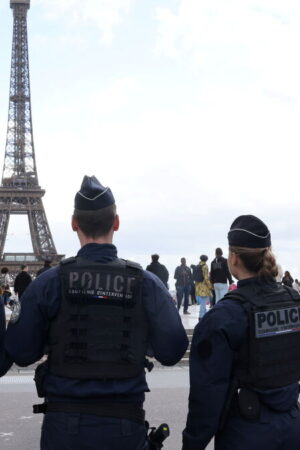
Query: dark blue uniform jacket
point(26, 339)
point(215, 342)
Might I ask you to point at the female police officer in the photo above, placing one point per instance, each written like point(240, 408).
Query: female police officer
point(245, 355)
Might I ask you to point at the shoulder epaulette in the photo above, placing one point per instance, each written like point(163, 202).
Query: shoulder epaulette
point(68, 260)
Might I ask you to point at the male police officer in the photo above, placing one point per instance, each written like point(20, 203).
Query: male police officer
point(97, 315)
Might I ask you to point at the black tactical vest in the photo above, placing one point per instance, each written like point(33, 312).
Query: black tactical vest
point(270, 354)
point(100, 331)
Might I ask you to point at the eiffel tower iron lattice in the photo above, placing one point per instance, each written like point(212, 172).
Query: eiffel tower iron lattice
point(20, 192)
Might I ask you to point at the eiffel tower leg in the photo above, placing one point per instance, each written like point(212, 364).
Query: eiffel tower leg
point(4, 221)
point(41, 237)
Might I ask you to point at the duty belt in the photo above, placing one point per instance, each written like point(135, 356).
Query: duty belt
point(116, 410)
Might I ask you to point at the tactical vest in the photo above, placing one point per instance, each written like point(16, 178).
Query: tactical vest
point(100, 331)
point(270, 354)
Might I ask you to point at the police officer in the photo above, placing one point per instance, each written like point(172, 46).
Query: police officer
point(98, 316)
point(5, 360)
point(244, 362)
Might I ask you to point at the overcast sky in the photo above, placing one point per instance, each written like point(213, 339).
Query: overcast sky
point(187, 109)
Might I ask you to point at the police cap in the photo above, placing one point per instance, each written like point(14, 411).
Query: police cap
point(93, 195)
point(249, 231)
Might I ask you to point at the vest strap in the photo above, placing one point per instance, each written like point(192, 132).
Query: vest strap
point(116, 410)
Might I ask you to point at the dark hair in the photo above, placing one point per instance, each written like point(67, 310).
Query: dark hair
point(155, 257)
point(47, 263)
point(219, 251)
point(203, 258)
point(96, 223)
point(4, 270)
point(257, 260)
point(23, 266)
point(287, 274)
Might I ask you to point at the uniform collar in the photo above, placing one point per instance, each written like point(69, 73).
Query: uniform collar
point(98, 252)
point(254, 280)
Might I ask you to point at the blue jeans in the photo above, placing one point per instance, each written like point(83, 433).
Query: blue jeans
point(202, 302)
point(180, 292)
point(220, 290)
point(62, 431)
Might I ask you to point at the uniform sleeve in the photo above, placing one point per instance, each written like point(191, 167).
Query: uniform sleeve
point(214, 344)
point(168, 338)
point(26, 338)
point(5, 361)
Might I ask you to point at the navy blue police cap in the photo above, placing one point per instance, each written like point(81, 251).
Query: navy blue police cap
point(249, 231)
point(93, 195)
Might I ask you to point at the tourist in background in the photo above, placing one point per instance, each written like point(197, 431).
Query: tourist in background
point(203, 288)
point(158, 269)
point(23, 279)
point(4, 277)
point(219, 274)
point(183, 277)
point(296, 285)
point(47, 266)
point(287, 279)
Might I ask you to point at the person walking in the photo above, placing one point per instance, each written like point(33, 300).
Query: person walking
point(183, 277)
point(158, 269)
point(296, 285)
point(203, 288)
point(23, 279)
point(287, 279)
point(219, 274)
point(99, 317)
point(244, 360)
point(4, 277)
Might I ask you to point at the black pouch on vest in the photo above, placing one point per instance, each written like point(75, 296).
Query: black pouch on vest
point(249, 404)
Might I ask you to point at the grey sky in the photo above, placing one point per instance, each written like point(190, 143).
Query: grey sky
point(188, 110)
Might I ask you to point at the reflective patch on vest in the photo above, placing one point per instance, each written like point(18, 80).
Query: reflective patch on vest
point(101, 285)
point(15, 312)
point(277, 321)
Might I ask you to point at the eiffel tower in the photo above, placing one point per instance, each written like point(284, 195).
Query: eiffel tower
point(20, 192)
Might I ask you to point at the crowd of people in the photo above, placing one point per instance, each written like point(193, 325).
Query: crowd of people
point(17, 286)
point(203, 285)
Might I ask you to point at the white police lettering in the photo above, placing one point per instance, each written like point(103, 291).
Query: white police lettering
point(277, 321)
point(74, 276)
point(108, 281)
point(101, 285)
point(86, 280)
point(130, 284)
point(119, 283)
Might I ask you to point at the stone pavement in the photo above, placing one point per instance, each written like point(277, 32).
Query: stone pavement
point(190, 321)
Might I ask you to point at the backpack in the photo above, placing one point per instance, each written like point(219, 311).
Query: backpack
point(197, 273)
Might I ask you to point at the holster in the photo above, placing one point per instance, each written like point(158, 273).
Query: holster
point(249, 404)
point(39, 378)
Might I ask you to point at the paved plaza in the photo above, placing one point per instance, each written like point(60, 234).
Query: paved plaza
point(20, 429)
